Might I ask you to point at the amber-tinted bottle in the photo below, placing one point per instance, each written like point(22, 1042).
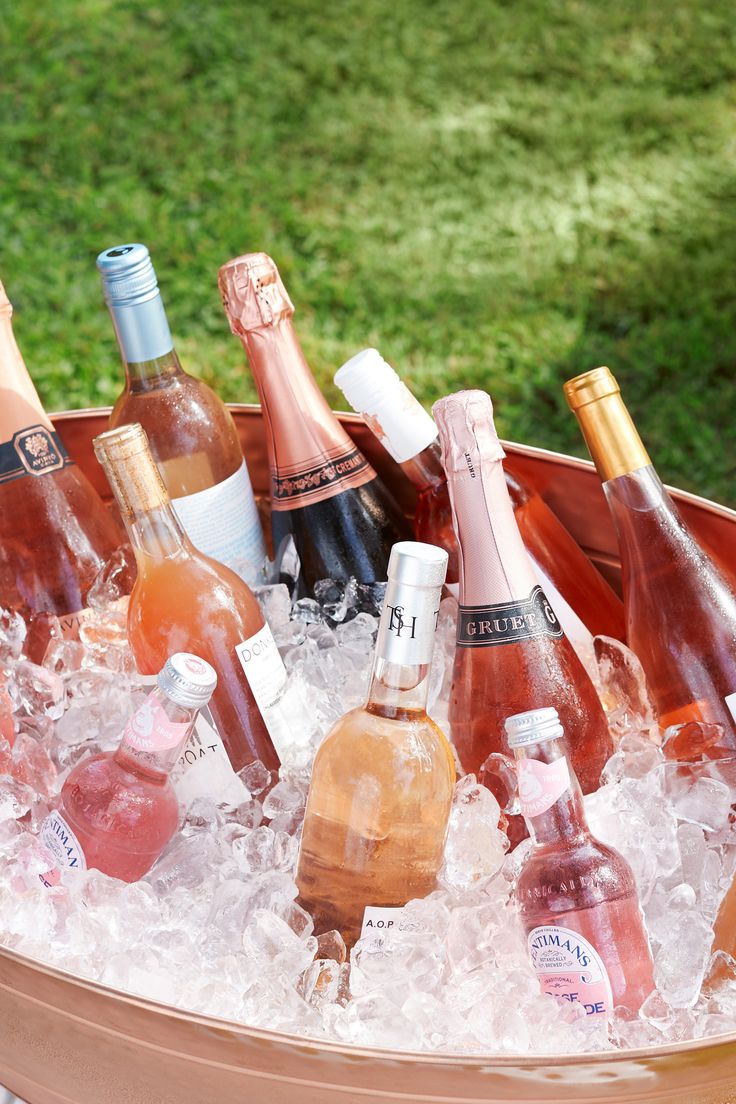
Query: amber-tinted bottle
point(190, 430)
point(409, 435)
point(379, 800)
point(55, 531)
point(323, 490)
point(183, 601)
point(512, 654)
point(680, 610)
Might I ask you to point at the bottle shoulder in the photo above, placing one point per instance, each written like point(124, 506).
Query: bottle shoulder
point(364, 733)
point(575, 873)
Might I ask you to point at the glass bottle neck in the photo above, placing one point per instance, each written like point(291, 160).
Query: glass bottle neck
point(398, 691)
point(404, 645)
point(554, 784)
point(157, 534)
point(155, 736)
point(425, 469)
point(150, 375)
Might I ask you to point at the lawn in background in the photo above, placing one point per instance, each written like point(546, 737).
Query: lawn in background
point(495, 194)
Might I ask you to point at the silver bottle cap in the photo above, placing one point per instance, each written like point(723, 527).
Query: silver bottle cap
point(187, 680)
point(413, 563)
point(127, 274)
point(533, 727)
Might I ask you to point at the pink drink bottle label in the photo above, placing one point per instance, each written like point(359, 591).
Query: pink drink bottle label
point(149, 729)
point(541, 784)
point(61, 843)
point(570, 969)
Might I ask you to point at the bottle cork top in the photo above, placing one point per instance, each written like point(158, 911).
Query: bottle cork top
point(466, 429)
point(253, 294)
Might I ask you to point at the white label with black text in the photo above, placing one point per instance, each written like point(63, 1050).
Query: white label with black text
point(203, 768)
point(58, 838)
point(378, 922)
point(731, 703)
point(222, 521)
point(267, 678)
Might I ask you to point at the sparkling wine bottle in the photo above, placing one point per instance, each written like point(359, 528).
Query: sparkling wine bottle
point(117, 811)
point(190, 430)
point(680, 610)
point(379, 800)
point(576, 897)
point(576, 591)
point(511, 653)
point(323, 490)
point(55, 532)
point(184, 601)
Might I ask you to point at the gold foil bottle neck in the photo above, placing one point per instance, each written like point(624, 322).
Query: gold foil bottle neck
point(253, 294)
point(609, 432)
point(467, 431)
point(136, 482)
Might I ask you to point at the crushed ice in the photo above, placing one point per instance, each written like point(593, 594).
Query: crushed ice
point(214, 926)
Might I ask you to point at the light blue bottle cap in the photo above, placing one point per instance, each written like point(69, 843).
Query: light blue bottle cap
point(127, 274)
point(131, 292)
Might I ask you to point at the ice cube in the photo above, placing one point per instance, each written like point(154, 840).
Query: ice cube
point(475, 847)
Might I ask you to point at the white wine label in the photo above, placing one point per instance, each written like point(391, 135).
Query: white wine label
point(203, 768)
point(731, 703)
point(541, 784)
point(408, 624)
point(267, 678)
point(378, 922)
point(570, 969)
point(222, 521)
point(58, 838)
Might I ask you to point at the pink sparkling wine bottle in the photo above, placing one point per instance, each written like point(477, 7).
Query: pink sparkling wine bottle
point(117, 811)
point(576, 897)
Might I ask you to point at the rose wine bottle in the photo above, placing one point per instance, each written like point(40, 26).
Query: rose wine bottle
point(576, 897)
point(190, 430)
point(184, 601)
point(55, 531)
point(511, 651)
point(117, 811)
point(680, 610)
point(379, 800)
point(323, 490)
point(576, 591)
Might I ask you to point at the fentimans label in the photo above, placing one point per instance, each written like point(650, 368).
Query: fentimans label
point(507, 622)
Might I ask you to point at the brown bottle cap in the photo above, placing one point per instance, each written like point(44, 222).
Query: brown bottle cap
point(590, 386)
point(253, 293)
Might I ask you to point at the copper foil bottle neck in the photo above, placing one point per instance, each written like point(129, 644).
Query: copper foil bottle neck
point(253, 293)
point(610, 434)
point(136, 482)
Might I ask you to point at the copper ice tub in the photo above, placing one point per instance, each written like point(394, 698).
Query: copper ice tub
point(68, 1041)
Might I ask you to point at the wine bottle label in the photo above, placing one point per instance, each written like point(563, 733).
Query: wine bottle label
point(58, 838)
point(541, 784)
point(150, 729)
point(378, 922)
point(408, 623)
point(203, 768)
point(507, 622)
point(731, 704)
point(569, 968)
point(222, 521)
point(324, 476)
point(32, 451)
point(267, 678)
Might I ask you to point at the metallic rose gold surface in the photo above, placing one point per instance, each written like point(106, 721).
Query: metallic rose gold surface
point(66, 1041)
point(311, 456)
point(20, 405)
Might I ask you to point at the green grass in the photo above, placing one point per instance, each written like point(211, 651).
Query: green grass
point(496, 194)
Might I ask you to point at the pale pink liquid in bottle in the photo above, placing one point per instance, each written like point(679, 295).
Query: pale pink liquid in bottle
point(576, 897)
point(118, 811)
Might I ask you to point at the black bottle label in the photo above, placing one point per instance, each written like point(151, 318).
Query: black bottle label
point(507, 622)
point(32, 451)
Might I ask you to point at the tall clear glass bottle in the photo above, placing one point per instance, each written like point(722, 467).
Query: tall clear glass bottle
point(576, 897)
point(512, 654)
point(183, 601)
point(55, 531)
point(190, 430)
point(680, 610)
point(382, 783)
point(323, 490)
point(577, 592)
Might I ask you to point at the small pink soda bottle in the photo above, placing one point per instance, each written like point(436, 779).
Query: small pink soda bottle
point(577, 897)
point(118, 811)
